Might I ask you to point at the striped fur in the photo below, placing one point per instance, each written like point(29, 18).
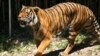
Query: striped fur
point(64, 16)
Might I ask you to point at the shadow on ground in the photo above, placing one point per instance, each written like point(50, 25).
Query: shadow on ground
point(21, 35)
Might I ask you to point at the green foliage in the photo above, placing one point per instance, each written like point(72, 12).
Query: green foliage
point(99, 47)
point(80, 38)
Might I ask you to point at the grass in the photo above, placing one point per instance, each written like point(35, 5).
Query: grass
point(18, 50)
point(80, 38)
point(99, 47)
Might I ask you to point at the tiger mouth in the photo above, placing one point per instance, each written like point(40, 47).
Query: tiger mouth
point(22, 23)
point(25, 23)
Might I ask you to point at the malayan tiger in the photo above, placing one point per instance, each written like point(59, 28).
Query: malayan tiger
point(61, 17)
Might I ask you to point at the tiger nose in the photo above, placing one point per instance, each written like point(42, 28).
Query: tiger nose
point(19, 18)
point(19, 15)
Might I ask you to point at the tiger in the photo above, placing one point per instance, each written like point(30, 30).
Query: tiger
point(69, 16)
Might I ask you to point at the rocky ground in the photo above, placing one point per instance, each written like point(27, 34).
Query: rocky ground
point(88, 51)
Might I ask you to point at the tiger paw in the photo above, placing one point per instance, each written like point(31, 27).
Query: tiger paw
point(36, 53)
point(63, 54)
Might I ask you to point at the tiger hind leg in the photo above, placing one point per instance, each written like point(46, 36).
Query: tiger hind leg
point(94, 32)
point(71, 39)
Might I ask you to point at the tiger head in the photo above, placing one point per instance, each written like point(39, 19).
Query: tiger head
point(27, 16)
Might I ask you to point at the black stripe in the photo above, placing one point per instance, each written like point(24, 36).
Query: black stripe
point(47, 13)
point(69, 20)
point(60, 7)
point(89, 25)
point(61, 10)
point(56, 10)
point(65, 6)
point(51, 14)
point(66, 11)
point(60, 14)
point(53, 11)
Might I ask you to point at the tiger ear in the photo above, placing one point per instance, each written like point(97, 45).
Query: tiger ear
point(23, 6)
point(36, 9)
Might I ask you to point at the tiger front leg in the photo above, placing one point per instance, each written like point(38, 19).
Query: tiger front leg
point(44, 43)
point(71, 40)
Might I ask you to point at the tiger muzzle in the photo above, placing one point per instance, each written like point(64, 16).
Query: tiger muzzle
point(24, 22)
